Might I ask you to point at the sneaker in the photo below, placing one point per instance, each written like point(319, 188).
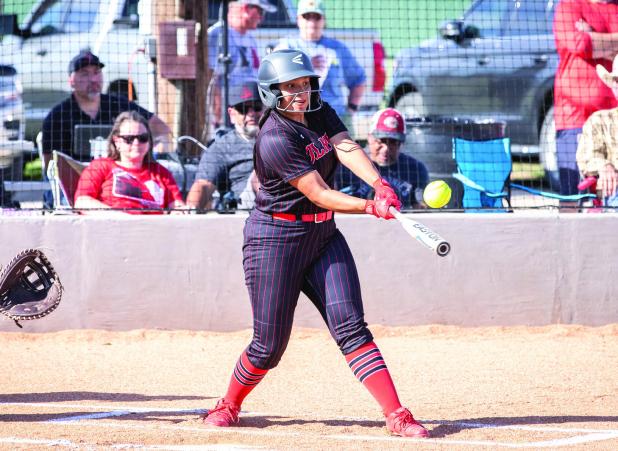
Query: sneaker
point(402, 423)
point(223, 415)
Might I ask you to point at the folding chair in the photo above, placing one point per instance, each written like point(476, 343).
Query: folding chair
point(63, 173)
point(484, 168)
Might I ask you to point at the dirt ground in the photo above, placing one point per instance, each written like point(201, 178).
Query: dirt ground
point(553, 387)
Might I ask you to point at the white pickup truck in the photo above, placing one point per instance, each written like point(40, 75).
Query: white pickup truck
point(55, 30)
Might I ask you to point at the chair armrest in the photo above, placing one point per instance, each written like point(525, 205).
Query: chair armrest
point(469, 183)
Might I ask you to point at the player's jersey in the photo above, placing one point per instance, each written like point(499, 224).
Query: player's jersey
point(285, 150)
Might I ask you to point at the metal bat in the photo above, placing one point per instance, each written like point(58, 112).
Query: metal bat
point(422, 234)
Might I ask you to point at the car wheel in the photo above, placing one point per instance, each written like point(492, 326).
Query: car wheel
point(411, 104)
point(547, 150)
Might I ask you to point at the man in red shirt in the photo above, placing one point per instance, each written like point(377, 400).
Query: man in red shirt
point(586, 33)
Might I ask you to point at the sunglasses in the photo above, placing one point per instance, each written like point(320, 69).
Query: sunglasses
point(312, 17)
point(391, 142)
point(143, 138)
point(244, 108)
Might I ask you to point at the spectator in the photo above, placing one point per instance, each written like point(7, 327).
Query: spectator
point(597, 152)
point(87, 105)
point(405, 174)
point(331, 59)
point(586, 33)
point(243, 16)
point(129, 177)
point(227, 165)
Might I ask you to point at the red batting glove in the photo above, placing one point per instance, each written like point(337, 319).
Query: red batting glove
point(384, 192)
point(379, 209)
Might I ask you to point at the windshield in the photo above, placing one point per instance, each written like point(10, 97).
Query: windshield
point(64, 16)
point(487, 16)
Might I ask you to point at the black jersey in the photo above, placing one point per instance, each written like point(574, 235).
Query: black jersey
point(285, 150)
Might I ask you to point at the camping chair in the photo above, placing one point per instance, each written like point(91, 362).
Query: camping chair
point(63, 173)
point(484, 168)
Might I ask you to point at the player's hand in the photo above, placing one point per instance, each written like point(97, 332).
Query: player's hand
point(378, 209)
point(608, 180)
point(384, 192)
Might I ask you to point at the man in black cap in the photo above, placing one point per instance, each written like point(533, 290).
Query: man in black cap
point(87, 105)
point(227, 165)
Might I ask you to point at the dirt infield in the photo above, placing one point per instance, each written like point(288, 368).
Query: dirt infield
point(487, 388)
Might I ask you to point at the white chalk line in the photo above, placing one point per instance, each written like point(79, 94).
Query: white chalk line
point(590, 435)
point(70, 444)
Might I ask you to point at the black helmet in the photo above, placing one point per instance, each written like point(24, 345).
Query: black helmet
point(285, 65)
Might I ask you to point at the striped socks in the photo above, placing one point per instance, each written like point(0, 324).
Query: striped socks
point(370, 369)
point(245, 378)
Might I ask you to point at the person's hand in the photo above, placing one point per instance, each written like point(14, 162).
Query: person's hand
point(608, 180)
point(378, 209)
point(583, 26)
point(384, 192)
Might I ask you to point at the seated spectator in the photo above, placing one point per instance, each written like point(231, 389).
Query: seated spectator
point(129, 178)
point(406, 175)
point(597, 151)
point(87, 105)
point(227, 165)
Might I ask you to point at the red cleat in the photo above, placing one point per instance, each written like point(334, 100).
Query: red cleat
point(223, 415)
point(402, 423)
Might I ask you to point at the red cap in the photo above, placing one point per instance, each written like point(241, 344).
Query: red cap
point(388, 123)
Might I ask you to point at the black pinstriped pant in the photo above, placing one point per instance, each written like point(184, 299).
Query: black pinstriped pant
point(283, 258)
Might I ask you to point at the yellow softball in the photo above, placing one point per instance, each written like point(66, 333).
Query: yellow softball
point(437, 194)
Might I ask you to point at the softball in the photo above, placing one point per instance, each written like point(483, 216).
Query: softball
point(437, 194)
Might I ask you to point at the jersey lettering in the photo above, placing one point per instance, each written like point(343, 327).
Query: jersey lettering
point(314, 152)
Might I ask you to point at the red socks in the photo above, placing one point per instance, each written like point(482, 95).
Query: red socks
point(369, 367)
point(245, 378)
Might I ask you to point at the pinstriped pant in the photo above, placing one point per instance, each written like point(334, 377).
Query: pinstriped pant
point(281, 259)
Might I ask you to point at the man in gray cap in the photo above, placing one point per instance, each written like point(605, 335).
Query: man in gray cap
point(227, 165)
point(243, 17)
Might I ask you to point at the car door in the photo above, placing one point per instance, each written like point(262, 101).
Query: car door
point(56, 31)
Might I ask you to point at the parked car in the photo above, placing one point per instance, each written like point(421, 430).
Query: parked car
point(12, 119)
point(495, 63)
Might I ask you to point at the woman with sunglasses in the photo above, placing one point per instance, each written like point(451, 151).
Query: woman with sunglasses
point(292, 244)
point(129, 178)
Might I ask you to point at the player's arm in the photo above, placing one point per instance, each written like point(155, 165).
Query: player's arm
point(313, 186)
point(352, 156)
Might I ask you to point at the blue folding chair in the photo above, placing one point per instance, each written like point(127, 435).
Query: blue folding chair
point(484, 169)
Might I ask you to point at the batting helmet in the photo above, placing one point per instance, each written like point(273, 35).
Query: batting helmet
point(285, 65)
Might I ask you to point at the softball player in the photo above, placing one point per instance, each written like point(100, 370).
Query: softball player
point(291, 242)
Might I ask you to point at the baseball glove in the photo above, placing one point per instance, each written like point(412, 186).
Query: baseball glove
point(29, 287)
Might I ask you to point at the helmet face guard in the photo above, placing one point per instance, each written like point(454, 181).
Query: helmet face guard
point(285, 65)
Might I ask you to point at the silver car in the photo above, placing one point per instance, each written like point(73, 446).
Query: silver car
point(12, 119)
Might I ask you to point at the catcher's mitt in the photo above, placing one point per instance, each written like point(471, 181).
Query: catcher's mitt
point(29, 287)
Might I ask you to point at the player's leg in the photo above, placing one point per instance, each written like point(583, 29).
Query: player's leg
point(273, 281)
point(333, 286)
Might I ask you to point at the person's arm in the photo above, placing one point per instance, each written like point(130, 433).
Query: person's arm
point(200, 194)
point(87, 202)
point(356, 97)
point(604, 45)
point(591, 155)
point(313, 186)
point(352, 156)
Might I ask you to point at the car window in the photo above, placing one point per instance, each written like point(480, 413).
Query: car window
point(49, 18)
point(531, 17)
point(81, 16)
point(63, 16)
point(277, 19)
point(487, 16)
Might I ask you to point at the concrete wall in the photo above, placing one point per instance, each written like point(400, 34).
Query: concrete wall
point(185, 272)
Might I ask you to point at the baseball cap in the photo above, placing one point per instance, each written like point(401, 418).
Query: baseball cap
point(244, 92)
point(264, 4)
point(388, 123)
point(311, 6)
point(83, 59)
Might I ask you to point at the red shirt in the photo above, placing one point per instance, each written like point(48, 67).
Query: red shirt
point(150, 187)
point(578, 91)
